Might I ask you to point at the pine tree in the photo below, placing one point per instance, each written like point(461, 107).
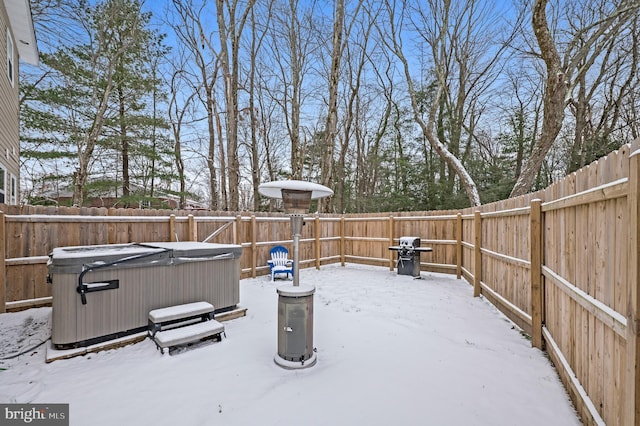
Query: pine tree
point(91, 109)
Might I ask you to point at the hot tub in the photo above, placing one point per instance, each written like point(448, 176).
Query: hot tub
point(105, 292)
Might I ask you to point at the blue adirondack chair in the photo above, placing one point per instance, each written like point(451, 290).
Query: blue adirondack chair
point(280, 262)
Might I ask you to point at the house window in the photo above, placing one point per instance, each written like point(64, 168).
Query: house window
point(14, 190)
point(3, 179)
point(9, 57)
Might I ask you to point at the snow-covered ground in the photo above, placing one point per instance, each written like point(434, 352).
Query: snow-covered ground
point(391, 350)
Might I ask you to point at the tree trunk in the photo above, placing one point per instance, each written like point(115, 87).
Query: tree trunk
point(89, 142)
point(326, 164)
point(124, 146)
point(519, 128)
point(223, 164)
point(230, 34)
point(176, 117)
point(211, 164)
point(555, 92)
point(256, 42)
point(154, 142)
point(427, 127)
point(179, 166)
point(294, 134)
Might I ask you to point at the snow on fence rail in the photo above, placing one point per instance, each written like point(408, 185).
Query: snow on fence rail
point(562, 263)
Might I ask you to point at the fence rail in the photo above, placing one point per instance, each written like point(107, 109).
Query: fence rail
point(562, 263)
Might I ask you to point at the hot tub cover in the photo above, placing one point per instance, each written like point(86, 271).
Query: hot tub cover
point(74, 259)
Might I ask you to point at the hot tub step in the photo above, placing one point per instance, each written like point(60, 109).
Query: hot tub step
point(181, 324)
point(188, 334)
point(177, 312)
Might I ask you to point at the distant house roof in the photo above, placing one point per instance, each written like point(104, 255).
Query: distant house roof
point(19, 12)
point(110, 196)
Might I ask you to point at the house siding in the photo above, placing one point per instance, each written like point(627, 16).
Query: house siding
point(9, 110)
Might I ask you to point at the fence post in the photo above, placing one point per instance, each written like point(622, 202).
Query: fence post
point(632, 393)
point(193, 228)
point(316, 222)
point(3, 266)
point(237, 230)
point(112, 235)
point(172, 228)
point(477, 249)
point(342, 242)
point(537, 285)
point(391, 242)
point(254, 252)
point(459, 245)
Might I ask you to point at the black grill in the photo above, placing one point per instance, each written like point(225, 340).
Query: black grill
point(409, 250)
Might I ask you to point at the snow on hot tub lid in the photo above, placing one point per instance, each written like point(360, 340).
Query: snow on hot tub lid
point(103, 250)
point(274, 189)
point(188, 245)
point(196, 248)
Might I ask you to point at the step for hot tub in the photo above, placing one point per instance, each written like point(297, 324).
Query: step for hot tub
point(178, 312)
point(174, 325)
point(188, 334)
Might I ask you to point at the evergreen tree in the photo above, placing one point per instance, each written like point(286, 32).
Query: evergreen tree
point(88, 112)
point(133, 131)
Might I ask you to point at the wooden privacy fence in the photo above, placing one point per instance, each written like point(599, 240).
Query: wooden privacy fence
point(562, 263)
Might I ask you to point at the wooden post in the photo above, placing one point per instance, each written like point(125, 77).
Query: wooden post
point(477, 249)
point(459, 245)
point(3, 266)
point(537, 284)
point(391, 265)
point(316, 222)
point(342, 242)
point(632, 393)
point(112, 231)
point(172, 228)
point(193, 229)
point(254, 251)
point(237, 230)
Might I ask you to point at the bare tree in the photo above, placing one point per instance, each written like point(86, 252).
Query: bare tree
point(258, 33)
point(57, 22)
point(287, 67)
point(598, 100)
point(523, 110)
point(326, 162)
point(356, 59)
point(180, 110)
point(231, 22)
point(368, 146)
point(460, 61)
point(564, 70)
point(193, 37)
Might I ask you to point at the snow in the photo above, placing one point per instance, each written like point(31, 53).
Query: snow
point(291, 290)
point(390, 350)
point(195, 247)
point(408, 241)
point(124, 252)
point(274, 189)
point(84, 252)
point(177, 336)
point(180, 311)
